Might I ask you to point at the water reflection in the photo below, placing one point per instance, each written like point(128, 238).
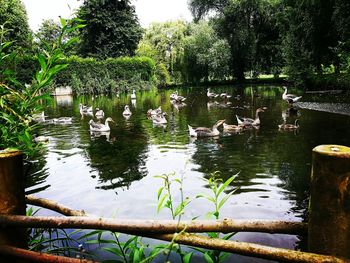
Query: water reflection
point(273, 166)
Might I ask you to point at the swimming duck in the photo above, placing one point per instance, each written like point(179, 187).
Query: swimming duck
point(62, 120)
point(179, 98)
point(99, 113)
point(85, 109)
point(127, 111)
point(205, 132)
point(232, 127)
point(249, 121)
point(133, 95)
point(96, 126)
point(39, 117)
point(211, 94)
point(290, 98)
point(289, 127)
point(224, 95)
point(157, 111)
point(159, 119)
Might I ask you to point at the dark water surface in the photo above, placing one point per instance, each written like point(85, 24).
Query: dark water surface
point(113, 175)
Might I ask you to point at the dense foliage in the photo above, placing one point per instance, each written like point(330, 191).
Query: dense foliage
point(13, 13)
point(20, 102)
point(112, 29)
point(303, 38)
point(164, 42)
point(88, 75)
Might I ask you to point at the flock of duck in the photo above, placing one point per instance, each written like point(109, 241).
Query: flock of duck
point(243, 123)
point(159, 117)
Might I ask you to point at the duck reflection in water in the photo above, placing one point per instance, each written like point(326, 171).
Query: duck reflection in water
point(98, 134)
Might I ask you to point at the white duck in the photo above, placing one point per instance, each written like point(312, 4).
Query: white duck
point(211, 94)
point(100, 127)
point(85, 109)
point(249, 121)
point(205, 132)
point(179, 98)
point(290, 98)
point(99, 114)
point(133, 95)
point(127, 111)
point(157, 111)
point(225, 95)
point(159, 119)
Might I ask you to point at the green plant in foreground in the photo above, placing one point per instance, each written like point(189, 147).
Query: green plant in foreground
point(218, 198)
point(20, 102)
point(165, 200)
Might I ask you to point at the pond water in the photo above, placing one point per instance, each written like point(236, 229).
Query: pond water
point(113, 175)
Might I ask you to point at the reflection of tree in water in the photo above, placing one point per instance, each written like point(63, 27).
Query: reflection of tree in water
point(34, 173)
point(121, 162)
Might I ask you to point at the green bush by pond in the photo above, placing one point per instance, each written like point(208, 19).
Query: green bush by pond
point(88, 75)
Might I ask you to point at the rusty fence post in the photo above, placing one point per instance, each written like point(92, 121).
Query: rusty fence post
point(329, 207)
point(12, 200)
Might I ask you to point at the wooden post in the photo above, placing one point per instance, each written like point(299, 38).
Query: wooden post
point(12, 201)
point(329, 208)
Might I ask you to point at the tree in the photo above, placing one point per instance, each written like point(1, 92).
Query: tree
point(206, 56)
point(250, 28)
point(13, 13)
point(48, 32)
point(164, 42)
point(112, 28)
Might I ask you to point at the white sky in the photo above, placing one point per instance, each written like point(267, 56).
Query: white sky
point(147, 10)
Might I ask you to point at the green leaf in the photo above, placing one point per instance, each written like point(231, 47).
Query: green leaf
point(225, 198)
point(160, 190)
point(187, 257)
point(208, 258)
point(224, 185)
point(42, 62)
point(161, 202)
point(63, 22)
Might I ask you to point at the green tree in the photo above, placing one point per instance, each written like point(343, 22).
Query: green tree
point(206, 56)
point(112, 28)
point(164, 42)
point(48, 32)
point(250, 28)
point(13, 13)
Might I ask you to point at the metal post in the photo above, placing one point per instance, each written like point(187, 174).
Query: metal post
point(329, 208)
point(12, 200)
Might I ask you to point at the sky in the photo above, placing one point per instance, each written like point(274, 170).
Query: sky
point(147, 10)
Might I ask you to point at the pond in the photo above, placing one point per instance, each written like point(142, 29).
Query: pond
point(113, 175)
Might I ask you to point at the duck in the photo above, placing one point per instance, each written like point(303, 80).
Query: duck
point(249, 121)
point(232, 127)
point(99, 113)
point(62, 120)
point(100, 127)
point(173, 96)
point(224, 95)
point(39, 117)
point(290, 98)
point(159, 119)
point(179, 98)
point(205, 132)
point(85, 109)
point(133, 95)
point(288, 126)
point(127, 111)
point(157, 111)
point(211, 94)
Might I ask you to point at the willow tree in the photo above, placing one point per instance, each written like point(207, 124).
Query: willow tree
point(112, 28)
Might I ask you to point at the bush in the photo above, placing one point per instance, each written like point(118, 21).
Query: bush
point(87, 75)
